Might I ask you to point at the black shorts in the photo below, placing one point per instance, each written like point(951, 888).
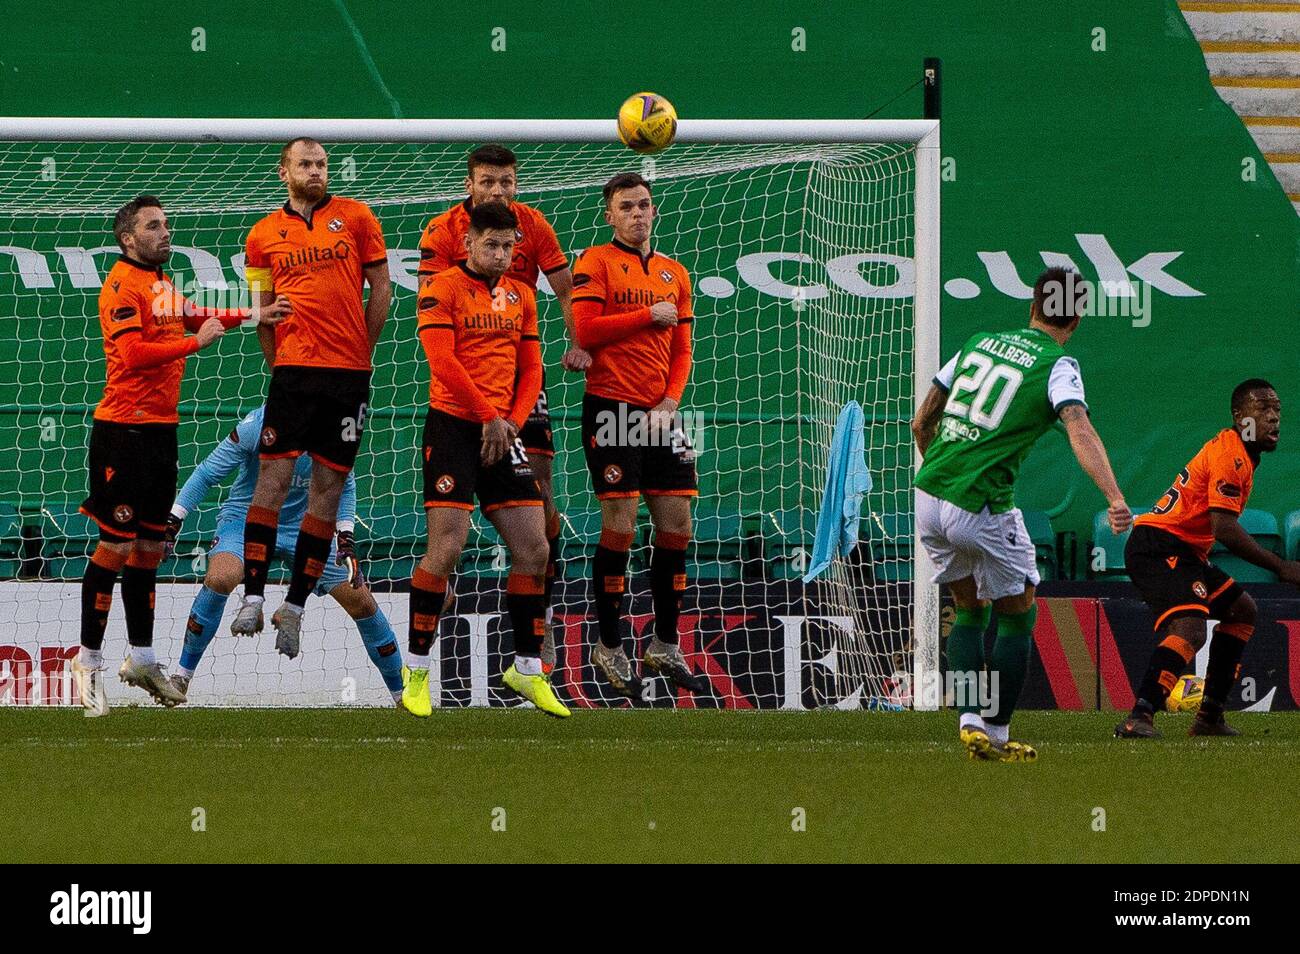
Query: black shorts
point(316, 411)
point(536, 432)
point(453, 473)
point(626, 460)
point(1173, 579)
point(132, 479)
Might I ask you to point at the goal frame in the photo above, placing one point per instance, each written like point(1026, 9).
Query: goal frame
point(922, 133)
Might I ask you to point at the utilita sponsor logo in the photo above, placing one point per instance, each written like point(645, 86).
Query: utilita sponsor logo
point(865, 274)
point(77, 907)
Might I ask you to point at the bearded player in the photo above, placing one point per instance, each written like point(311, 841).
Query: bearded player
point(1168, 559)
point(478, 327)
point(133, 452)
point(987, 407)
point(632, 311)
point(492, 178)
point(319, 250)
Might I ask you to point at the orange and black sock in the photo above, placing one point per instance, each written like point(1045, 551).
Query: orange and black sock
point(309, 556)
point(526, 605)
point(668, 582)
point(1169, 659)
point(139, 587)
point(259, 544)
point(609, 582)
point(1224, 667)
point(427, 595)
point(97, 594)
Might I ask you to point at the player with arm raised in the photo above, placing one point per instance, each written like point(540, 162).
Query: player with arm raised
point(632, 312)
point(342, 577)
point(319, 250)
point(987, 407)
point(492, 178)
point(133, 453)
point(478, 327)
point(1168, 559)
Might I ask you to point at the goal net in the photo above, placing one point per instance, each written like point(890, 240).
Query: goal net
point(813, 258)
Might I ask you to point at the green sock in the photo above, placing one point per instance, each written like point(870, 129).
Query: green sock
point(966, 654)
point(1010, 660)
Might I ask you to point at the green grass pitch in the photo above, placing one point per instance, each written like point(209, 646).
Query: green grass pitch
point(380, 786)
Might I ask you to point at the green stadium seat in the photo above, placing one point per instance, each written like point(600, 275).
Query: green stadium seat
point(1262, 526)
point(1111, 547)
point(579, 535)
point(1291, 532)
point(1041, 535)
point(390, 541)
point(716, 546)
point(68, 539)
point(11, 541)
point(787, 542)
point(890, 539)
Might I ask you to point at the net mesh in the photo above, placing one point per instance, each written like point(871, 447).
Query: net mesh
point(801, 259)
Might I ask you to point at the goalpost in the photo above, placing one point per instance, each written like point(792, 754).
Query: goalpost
point(813, 249)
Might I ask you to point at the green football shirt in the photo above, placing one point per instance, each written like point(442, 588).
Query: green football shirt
point(1005, 390)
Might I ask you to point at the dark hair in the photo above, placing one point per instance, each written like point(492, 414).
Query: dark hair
point(1060, 297)
point(284, 153)
point(624, 180)
point(489, 155)
point(124, 221)
point(1242, 391)
point(492, 215)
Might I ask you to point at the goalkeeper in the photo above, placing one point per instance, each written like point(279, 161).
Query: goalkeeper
point(342, 577)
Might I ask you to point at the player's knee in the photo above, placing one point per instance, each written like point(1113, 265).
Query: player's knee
point(221, 580)
point(530, 554)
point(357, 603)
point(1191, 629)
point(1242, 610)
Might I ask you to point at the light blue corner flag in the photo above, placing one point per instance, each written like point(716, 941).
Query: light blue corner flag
point(847, 482)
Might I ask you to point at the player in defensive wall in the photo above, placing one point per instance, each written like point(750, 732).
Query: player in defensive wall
point(319, 250)
point(491, 177)
point(478, 327)
point(342, 578)
point(133, 458)
point(987, 407)
point(632, 312)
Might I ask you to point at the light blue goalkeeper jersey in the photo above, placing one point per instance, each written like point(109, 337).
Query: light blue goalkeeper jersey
point(238, 452)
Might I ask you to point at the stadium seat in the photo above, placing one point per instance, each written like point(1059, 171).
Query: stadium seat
point(1262, 526)
point(787, 542)
point(1111, 549)
point(390, 540)
point(1292, 536)
point(716, 545)
point(1041, 535)
point(11, 541)
point(889, 537)
point(68, 539)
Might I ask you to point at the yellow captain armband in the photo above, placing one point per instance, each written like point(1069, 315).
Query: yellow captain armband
point(259, 280)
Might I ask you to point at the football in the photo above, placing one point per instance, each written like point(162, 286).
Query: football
point(1186, 695)
point(647, 123)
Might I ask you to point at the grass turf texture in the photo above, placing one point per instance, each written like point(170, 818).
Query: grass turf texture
point(378, 785)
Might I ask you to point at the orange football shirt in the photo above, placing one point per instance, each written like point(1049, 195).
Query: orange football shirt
point(1219, 477)
point(318, 262)
point(442, 244)
point(615, 275)
point(489, 324)
point(137, 299)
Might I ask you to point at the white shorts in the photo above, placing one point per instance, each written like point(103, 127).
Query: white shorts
point(992, 547)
